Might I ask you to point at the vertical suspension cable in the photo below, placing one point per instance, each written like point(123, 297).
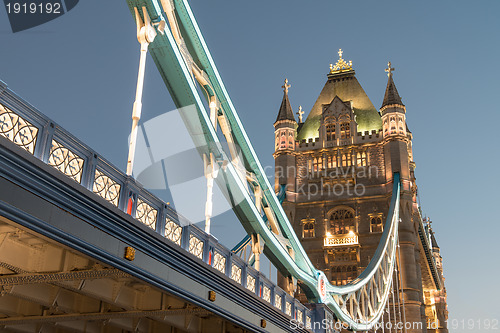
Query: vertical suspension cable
point(389, 315)
point(396, 277)
point(401, 283)
point(394, 308)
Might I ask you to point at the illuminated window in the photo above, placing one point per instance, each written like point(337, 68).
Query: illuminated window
point(345, 131)
point(308, 229)
point(376, 224)
point(283, 140)
point(393, 123)
point(290, 140)
point(361, 159)
point(330, 132)
point(342, 221)
point(346, 159)
point(317, 164)
point(342, 275)
point(332, 160)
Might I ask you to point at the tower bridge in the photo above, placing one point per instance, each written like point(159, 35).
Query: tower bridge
point(83, 247)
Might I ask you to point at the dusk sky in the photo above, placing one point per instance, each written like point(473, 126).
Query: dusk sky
point(81, 70)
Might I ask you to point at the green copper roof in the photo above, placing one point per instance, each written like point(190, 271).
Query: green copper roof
point(347, 88)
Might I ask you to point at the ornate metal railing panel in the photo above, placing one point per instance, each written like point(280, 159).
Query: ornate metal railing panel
point(17, 129)
point(146, 213)
point(106, 187)
point(66, 161)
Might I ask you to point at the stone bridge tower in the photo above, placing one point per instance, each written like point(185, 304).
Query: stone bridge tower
point(338, 173)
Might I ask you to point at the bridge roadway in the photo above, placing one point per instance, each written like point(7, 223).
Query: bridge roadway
point(84, 248)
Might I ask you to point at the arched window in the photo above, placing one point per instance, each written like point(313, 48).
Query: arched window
point(330, 131)
point(318, 163)
point(332, 160)
point(376, 224)
point(308, 231)
point(283, 140)
point(345, 130)
point(346, 159)
point(393, 124)
point(361, 159)
point(342, 221)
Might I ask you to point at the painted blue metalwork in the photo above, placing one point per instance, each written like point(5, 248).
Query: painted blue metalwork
point(246, 240)
point(32, 173)
point(177, 72)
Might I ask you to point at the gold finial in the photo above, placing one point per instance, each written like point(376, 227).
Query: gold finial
point(389, 69)
point(286, 86)
point(300, 113)
point(341, 65)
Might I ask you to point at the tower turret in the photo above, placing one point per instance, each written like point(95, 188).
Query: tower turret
point(393, 111)
point(398, 144)
point(285, 132)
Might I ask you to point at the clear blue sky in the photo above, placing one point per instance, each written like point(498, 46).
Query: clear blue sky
point(81, 69)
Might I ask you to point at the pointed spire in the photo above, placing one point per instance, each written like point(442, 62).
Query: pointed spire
point(286, 112)
point(391, 93)
point(300, 113)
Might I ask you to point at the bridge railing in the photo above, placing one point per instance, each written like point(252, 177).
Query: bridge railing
point(32, 131)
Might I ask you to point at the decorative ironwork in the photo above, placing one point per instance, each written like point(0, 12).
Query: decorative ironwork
point(338, 241)
point(288, 309)
point(300, 317)
point(17, 129)
point(173, 231)
point(251, 283)
point(146, 214)
point(341, 65)
point(106, 187)
point(66, 161)
point(236, 273)
point(308, 322)
point(196, 246)
point(266, 294)
point(220, 262)
point(277, 301)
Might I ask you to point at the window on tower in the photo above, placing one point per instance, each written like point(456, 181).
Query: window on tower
point(331, 160)
point(345, 131)
point(376, 224)
point(346, 159)
point(342, 275)
point(330, 131)
point(361, 159)
point(308, 229)
point(342, 221)
point(317, 164)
